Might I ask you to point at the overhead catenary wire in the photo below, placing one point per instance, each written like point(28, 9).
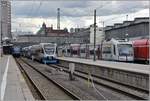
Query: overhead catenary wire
point(32, 12)
point(93, 85)
point(89, 14)
point(119, 16)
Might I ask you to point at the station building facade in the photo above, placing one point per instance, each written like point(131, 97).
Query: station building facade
point(48, 34)
point(139, 28)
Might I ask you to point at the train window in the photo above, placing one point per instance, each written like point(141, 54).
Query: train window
point(74, 52)
point(114, 49)
point(91, 52)
point(125, 49)
point(98, 50)
point(107, 50)
point(83, 50)
point(68, 50)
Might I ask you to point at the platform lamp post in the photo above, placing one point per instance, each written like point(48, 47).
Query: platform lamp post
point(94, 58)
point(103, 37)
point(127, 35)
point(1, 41)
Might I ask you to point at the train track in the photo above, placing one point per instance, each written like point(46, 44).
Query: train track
point(27, 68)
point(133, 93)
point(78, 86)
point(136, 93)
point(33, 87)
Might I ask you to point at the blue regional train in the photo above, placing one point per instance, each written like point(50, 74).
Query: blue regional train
point(43, 52)
point(16, 51)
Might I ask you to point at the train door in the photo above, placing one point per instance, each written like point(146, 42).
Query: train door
point(98, 52)
point(91, 51)
point(87, 52)
point(83, 51)
point(75, 50)
point(67, 51)
point(59, 51)
point(114, 52)
point(107, 52)
point(39, 53)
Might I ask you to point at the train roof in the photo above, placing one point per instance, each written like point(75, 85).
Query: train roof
point(47, 43)
point(117, 41)
point(141, 42)
point(74, 44)
point(7, 44)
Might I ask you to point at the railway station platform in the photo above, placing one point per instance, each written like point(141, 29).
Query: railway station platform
point(13, 85)
point(139, 68)
point(134, 75)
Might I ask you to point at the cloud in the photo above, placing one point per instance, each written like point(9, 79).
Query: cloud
point(75, 8)
point(31, 14)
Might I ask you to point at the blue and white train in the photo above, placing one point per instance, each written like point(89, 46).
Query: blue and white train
point(44, 52)
point(16, 51)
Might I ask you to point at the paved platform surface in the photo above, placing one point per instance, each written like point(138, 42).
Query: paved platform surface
point(13, 85)
point(139, 68)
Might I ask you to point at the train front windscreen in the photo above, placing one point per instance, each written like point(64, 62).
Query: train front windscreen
point(125, 50)
point(49, 49)
point(16, 49)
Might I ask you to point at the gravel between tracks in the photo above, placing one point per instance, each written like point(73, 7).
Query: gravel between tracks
point(78, 87)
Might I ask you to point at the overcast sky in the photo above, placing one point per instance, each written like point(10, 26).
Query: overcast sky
point(29, 15)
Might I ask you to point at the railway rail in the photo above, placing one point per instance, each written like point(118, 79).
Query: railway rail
point(27, 68)
point(122, 88)
point(79, 87)
point(32, 85)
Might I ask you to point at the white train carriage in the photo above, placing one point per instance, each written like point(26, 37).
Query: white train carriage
point(45, 53)
point(64, 51)
point(60, 51)
point(28, 52)
point(67, 50)
point(75, 50)
point(119, 50)
point(83, 51)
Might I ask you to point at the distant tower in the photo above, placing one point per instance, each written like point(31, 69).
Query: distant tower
point(58, 18)
point(43, 25)
point(44, 28)
point(5, 6)
point(126, 17)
